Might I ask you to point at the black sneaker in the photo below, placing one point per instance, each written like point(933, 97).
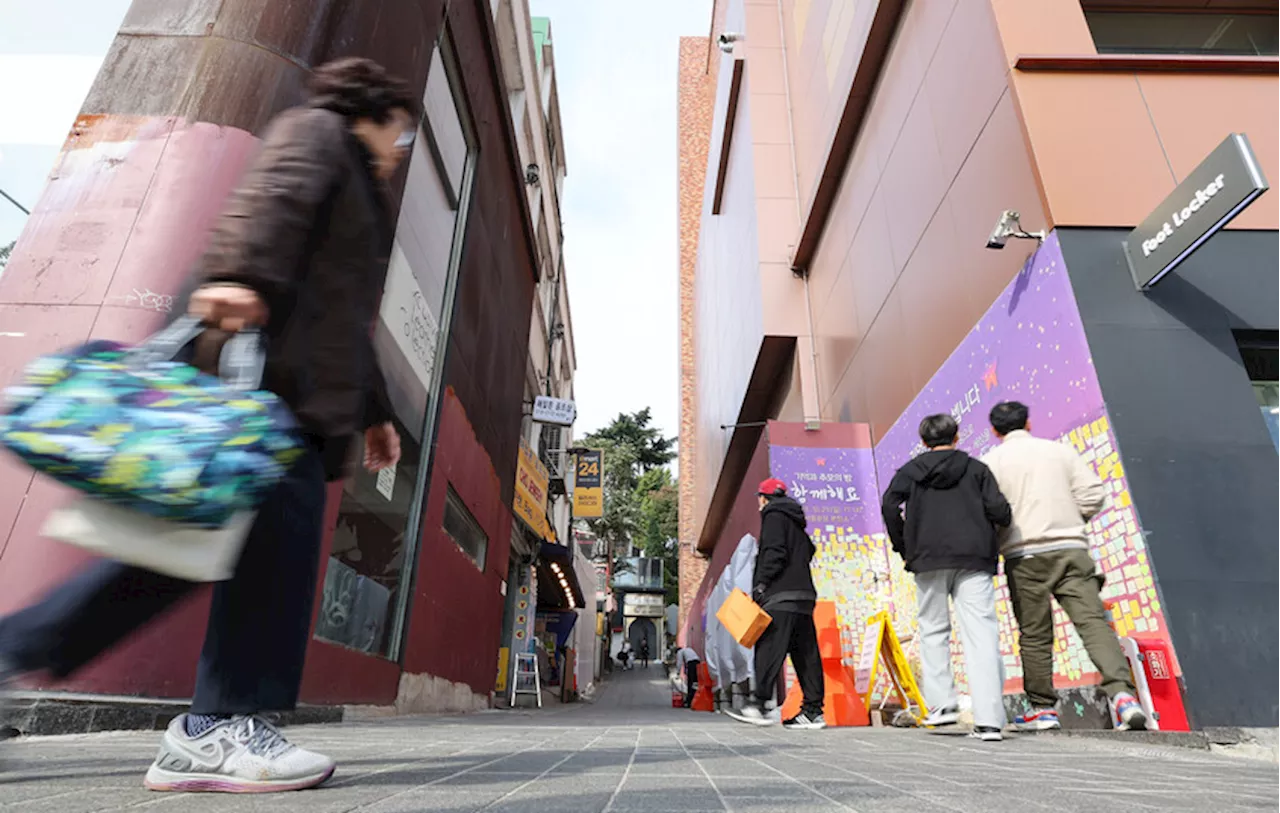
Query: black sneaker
point(804, 722)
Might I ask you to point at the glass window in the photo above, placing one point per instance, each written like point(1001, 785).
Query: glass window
point(379, 521)
point(1260, 352)
point(463, 529)
point(1141, 32)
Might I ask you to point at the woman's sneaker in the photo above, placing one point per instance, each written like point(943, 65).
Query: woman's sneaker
point(803, 722)
point(1130, 713)
point(949, 715)
point(242, 754)
point(1038, 720)
point(986, 733)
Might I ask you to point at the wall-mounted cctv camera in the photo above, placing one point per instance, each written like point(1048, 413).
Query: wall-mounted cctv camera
point(1009, 226)
point(726, 41)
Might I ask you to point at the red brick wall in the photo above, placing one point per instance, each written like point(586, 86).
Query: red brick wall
point(696, 100)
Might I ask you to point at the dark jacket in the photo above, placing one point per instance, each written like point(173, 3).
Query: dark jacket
point(309, 230)
point(953, 506)
point(782, 579)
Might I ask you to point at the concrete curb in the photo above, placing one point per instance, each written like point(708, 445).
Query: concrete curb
point(1249, 743)
point(51, 713)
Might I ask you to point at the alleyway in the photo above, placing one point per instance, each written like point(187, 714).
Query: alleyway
point(630, 751)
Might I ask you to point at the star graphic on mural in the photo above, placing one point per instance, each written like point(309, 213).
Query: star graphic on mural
point(989, 378)
point(821, 461)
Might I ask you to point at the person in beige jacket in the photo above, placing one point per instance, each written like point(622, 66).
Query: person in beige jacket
point(1054, 493)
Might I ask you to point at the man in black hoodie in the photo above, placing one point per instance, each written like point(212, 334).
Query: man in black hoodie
point(783, 586)
point(948, 540)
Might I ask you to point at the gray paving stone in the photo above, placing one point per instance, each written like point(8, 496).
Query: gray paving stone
point(631, 753)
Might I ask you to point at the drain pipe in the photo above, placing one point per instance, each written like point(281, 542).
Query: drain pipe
point(809, 392)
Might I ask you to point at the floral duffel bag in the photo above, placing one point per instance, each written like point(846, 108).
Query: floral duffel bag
point(134, 428)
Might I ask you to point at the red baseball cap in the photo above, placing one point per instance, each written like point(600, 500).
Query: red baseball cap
point(773, 487)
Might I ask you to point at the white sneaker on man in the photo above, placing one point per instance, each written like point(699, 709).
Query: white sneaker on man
point(243, 754)
point(940, 717)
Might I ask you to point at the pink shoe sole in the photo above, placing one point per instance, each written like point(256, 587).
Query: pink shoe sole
point(213, 784)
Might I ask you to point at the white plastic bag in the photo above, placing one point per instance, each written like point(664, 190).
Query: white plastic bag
point(184, 551)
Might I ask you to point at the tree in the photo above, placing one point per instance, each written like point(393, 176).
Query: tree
point(635, 458)
point(659, 499)
point(5, 251)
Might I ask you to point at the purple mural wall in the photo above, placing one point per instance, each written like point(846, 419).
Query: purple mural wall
point(1030, 347)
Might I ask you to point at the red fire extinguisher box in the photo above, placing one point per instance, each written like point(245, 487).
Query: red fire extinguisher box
point(1162, 683)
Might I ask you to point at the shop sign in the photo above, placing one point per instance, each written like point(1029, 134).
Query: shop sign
point(588, 484)
point(530, 502)
point(643, 605)
point(1206, 200)
point(555, 411)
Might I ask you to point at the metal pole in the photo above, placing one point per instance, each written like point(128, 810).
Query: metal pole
point(7, 197)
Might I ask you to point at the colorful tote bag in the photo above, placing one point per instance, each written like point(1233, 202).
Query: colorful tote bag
point(135, 428)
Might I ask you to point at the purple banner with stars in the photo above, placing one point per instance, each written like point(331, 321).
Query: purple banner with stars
point(835, 486)
point(1030, 347)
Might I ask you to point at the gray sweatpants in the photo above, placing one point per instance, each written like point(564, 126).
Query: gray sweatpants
point(975, 601)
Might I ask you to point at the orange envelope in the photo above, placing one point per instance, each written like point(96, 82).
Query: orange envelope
point(743, 618)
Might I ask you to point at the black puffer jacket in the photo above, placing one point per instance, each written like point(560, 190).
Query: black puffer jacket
point(782, 579)
point(953, 506)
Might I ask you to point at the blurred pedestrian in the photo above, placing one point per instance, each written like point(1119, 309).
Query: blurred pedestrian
point(1054, 494)
point(300, 251)
point(782, 585)
point(644, 652)
point(687, 662)
point(948, 541)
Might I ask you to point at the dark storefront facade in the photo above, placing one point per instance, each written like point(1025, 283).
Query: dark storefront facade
point(410, 602)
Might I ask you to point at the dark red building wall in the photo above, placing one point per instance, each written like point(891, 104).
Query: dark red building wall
point(181, 93)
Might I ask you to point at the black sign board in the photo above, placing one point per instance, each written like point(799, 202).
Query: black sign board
point(1206, 200)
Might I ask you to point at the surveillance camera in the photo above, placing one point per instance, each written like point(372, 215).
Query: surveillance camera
point(1008, 226)
point(726, 41)
point(1000, 234)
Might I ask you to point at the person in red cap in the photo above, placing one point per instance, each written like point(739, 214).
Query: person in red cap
point(783, 586)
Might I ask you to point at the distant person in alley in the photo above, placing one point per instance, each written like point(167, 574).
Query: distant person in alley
point(1054, 494)
point(783, 586)
point(300, 251)
point(687, 662)
point(942, 511)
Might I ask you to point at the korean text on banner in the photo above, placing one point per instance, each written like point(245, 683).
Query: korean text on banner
point(588, 485)
point(530, 502)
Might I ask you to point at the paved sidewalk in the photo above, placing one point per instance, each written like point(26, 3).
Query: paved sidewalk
point(631, 752)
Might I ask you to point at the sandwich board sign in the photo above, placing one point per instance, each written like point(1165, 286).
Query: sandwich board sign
point(881, 651)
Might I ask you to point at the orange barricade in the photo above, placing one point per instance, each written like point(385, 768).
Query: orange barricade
point(703, 700)
point(842, 706)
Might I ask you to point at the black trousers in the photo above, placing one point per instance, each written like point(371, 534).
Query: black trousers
point(690, 681)
point(790, 634)
point(259, 623)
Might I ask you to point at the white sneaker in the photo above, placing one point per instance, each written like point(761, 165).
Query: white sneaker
point(751, 714)
point(940, 717)
point(244, 754)
point(986, 733)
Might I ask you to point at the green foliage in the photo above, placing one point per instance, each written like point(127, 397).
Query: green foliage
point(640, 495)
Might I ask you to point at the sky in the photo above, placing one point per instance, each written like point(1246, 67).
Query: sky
point(617, 75)
point(62, 42)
